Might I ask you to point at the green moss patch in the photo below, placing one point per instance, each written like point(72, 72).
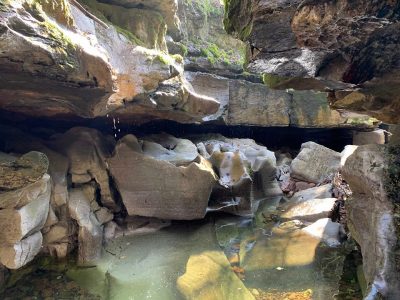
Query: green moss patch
point(56, 38)
point(207, 7)
point(216, 54)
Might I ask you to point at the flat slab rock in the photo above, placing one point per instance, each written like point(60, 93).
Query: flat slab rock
point(25, 170)
point(310, 210)
point(320, 192)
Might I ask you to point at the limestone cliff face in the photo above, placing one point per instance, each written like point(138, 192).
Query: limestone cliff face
point(349, 47)
point(67, 62)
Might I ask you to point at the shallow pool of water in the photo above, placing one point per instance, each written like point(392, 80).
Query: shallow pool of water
point(221, 257)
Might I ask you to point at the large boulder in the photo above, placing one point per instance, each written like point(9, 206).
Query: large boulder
point(318, 192)
point(87, 150)
point(154, 187)
point(371, 220)
point(376, 136)
point(315, 163)
point(246, 173)
point(327, 231)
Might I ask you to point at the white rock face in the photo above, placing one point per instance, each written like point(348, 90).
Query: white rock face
point(17, 224)
point(17, 255)
point(168, 148)
point(326, 230)
point(310, 210)
point(315, 162)
point(90, 234)
point(347, 151)
point(319, 192)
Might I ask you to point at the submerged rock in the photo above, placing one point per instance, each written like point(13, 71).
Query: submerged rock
point(209, 276)
point(319, 192)
point(154, 187)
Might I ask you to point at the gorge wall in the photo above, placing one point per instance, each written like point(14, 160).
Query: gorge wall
point(69, 69)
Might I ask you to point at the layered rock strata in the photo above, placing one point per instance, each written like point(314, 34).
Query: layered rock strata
point(349, 48)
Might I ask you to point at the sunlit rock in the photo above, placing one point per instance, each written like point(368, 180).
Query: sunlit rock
point(310, 210)
point(370, 218)
point(22, 221)
point(155, 187)
point(17, 255)
point(209, 276)
point(169, 148)
point(247, 103)
point(327, 231)
point(246, 172)
point(82, 63)
point(345, 154)
point(315, 163)
point(319, 192)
